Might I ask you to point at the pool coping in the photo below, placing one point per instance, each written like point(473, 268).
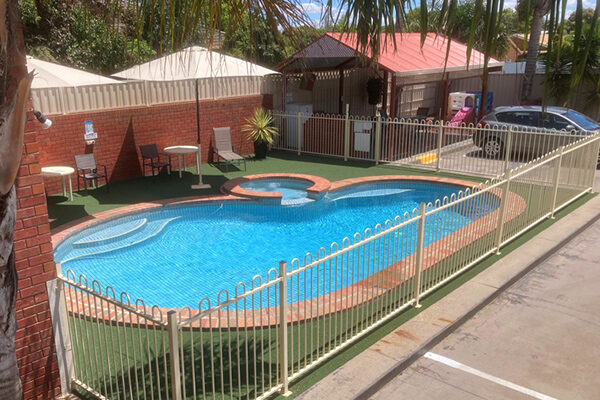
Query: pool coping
point(326, 304)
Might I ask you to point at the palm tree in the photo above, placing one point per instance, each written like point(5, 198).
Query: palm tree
point(400, 14)
point(540, 9)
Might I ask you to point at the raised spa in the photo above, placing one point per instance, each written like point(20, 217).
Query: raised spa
point(292, 190)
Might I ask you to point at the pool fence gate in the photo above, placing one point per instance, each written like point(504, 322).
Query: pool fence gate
point(256, 339)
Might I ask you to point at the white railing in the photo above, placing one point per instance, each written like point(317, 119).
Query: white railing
point(265, 334)
point(69, 100)
point(476, 150)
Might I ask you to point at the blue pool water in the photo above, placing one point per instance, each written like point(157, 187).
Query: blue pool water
point(290, 189)
point(177, 255)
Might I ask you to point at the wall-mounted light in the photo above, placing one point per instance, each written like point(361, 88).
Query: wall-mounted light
point(46, 123)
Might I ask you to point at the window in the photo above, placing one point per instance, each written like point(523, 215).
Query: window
point(553, 121)
point(526, 118)
point(583, 121)
point(505, 117)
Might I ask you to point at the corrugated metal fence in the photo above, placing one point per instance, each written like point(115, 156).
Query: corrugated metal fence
point(68, 100)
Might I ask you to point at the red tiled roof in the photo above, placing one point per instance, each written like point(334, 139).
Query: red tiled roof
point(410, 56)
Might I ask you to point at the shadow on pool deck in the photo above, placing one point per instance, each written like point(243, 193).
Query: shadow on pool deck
point(163, 186)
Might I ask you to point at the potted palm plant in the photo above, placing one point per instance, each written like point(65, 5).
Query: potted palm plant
point(260, 130)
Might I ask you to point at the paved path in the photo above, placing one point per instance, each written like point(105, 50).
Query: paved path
point(540, 339)
point(371, 370)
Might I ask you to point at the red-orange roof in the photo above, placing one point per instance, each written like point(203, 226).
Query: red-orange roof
point(410, 56)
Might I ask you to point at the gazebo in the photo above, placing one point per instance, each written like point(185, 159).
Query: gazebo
point(311, 74)
point(51, 75)
point(193, 63)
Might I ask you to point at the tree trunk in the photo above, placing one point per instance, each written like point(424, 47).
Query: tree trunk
point(398, 5)
point(10, 384)
point(533, 47)
point(14, 98)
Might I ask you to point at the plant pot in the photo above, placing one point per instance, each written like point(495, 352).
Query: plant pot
point(260, 150)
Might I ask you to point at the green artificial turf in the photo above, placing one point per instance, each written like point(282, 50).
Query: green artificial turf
point(148, 189)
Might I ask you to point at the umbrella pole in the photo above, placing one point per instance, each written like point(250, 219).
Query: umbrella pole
point(200, 184)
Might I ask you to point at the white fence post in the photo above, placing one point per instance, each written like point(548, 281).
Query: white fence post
point(378, 139)
point(283, 339)
point(507, 150)
point(60, 327)
point(419, 261)
point(439, 145)
point(502, 213)
point(299, 132)
point(174, 355)
point(595, 161)
point(347, 133)
point(555, 181)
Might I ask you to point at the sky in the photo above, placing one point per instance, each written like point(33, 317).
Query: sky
point(314, 9)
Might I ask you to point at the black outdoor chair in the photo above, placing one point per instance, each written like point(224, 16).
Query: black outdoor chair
point(151, 158)
point(87, 162)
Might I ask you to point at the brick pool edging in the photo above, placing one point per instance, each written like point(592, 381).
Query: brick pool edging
point(327, 304)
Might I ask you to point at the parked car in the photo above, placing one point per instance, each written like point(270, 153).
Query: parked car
point(531, 135)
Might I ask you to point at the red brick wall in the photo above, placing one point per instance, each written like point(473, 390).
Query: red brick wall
point(121, 131)
point(35, 265)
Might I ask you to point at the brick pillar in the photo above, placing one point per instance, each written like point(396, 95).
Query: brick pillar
point(36, 353)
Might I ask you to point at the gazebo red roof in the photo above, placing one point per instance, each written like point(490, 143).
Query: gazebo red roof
point(408, 57)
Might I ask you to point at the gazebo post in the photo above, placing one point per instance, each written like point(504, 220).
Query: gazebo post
point(341, 92)
point(385, 92)
point(393, 98)
point(283, 92)
point(445, 94)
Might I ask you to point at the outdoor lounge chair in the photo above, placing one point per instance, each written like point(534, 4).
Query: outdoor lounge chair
point(88, 162)
point(151, 158)
point(224, 149)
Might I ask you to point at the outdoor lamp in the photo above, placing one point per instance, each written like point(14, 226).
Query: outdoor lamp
point(46, 123)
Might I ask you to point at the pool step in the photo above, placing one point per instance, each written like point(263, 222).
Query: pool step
point(368, 193)
point(112, 234)
point(296, 202)
point(142, 232)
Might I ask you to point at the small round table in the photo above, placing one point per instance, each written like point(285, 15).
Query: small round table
point(63, 172)
point(181, 151)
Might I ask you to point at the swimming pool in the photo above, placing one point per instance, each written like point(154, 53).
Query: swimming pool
point(174, 256)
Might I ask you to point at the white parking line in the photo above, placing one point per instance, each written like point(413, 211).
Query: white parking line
point(455, 364)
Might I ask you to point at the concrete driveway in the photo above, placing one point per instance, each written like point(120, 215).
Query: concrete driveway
point(462, 157)
point(539, 339)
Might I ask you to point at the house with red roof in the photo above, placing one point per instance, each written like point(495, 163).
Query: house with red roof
point(333, 74)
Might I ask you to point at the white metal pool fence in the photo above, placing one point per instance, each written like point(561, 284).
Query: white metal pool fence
point(255, 340)
point(429, 144)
